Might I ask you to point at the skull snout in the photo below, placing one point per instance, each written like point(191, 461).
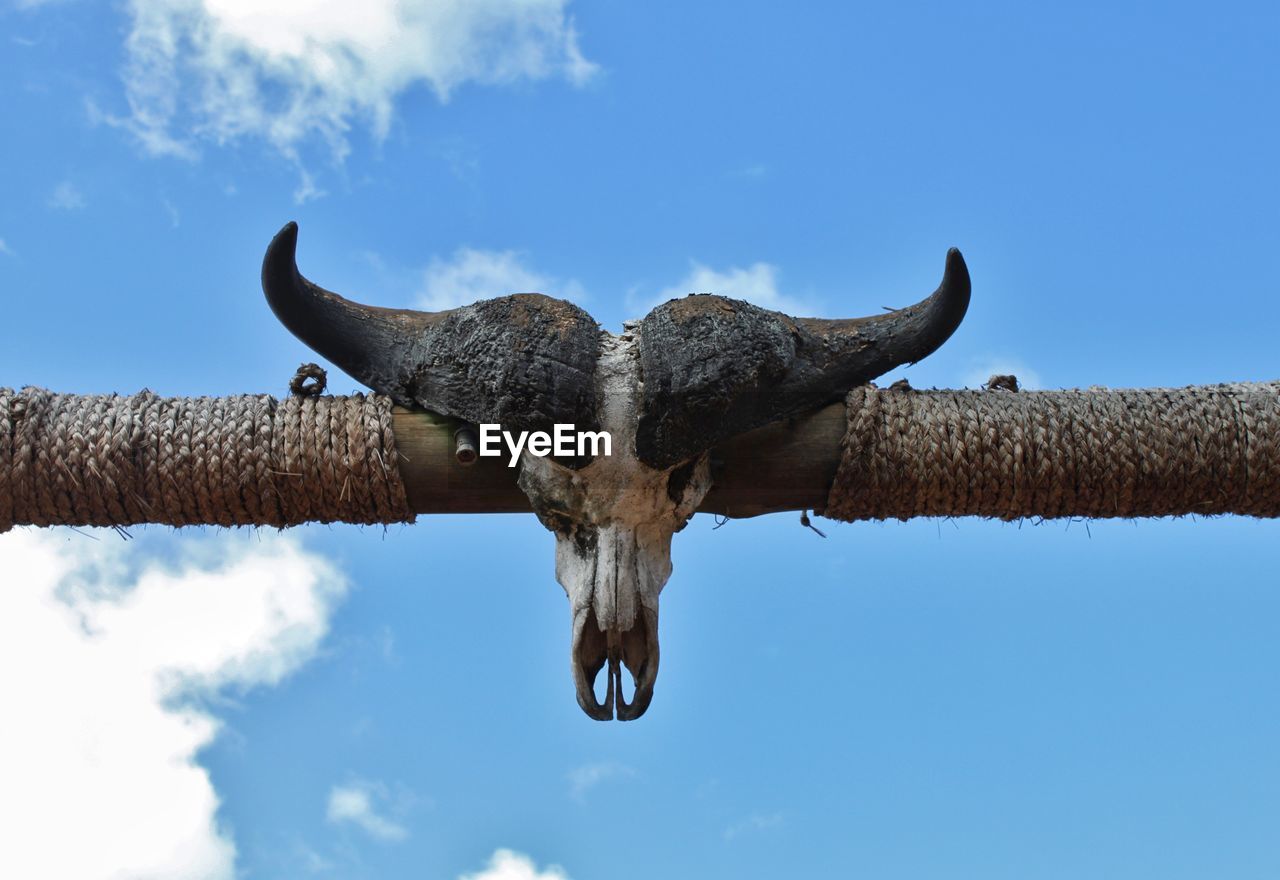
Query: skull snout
point(597, 647)
point(615, 625)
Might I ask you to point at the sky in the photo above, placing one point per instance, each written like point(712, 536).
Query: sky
point(937, 698)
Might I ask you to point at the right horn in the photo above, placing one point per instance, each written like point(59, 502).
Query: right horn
point(875, 345)
point(715, 367)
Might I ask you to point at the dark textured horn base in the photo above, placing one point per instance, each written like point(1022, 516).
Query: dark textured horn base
point(714, 367)
point(524, 361)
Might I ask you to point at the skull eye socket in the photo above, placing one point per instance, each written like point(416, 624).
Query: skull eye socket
point(679, 479)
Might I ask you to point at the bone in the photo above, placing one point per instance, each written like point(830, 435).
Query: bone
point(613, 521)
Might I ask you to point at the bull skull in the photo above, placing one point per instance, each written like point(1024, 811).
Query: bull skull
point(693, 373)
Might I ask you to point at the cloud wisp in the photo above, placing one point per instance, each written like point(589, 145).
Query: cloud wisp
point(754, 823)
point(757, 284)
point(110, 660)
point(583, 779)
point(218, 71)
point(67, 197)
point(353, 804)
point(507, 864)
point(471, 275)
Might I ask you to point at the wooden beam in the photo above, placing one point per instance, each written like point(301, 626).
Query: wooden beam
point(785, 466)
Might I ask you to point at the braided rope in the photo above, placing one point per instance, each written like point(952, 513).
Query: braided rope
point(106, 460)
point(256, 460)
point(1094, 453)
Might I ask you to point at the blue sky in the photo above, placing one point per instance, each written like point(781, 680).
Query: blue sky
point(929, 699)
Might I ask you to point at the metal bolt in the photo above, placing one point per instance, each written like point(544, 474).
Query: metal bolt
point(464, 445)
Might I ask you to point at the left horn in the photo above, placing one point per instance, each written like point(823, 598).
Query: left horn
point(715, 367)
point(525, 361)
point(370, 343)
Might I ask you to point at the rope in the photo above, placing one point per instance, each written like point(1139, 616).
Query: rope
point(255, 460)
point(310, 380)
point(1095, 453)
point(106, 460)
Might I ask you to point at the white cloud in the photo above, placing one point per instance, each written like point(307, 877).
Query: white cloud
point(470, 275)
point(757, 284)
point(5, 249)
point(66, 197)
point(506, 864)
point(354, 803)
point(588, 776)
point(108, 659)
point(220, 70)
point(984, 368)
point(307, 190)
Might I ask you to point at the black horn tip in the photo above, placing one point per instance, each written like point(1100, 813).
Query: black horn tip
point(956, 272)
point(280, 268)
point(283, 249)
point(947, 307)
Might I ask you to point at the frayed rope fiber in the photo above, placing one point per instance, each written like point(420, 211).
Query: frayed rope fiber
point(106, 460)
point(1090, 453)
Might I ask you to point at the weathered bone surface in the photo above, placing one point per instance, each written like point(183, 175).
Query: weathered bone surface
point(692, 373)
point(613, 521)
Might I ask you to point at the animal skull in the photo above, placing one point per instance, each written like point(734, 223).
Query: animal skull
point(693, 373)
point(613, 520)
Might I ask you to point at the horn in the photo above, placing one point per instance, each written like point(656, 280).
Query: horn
point(715, 367)
point(899, 337)
point(526, 361)
point(370, 343)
